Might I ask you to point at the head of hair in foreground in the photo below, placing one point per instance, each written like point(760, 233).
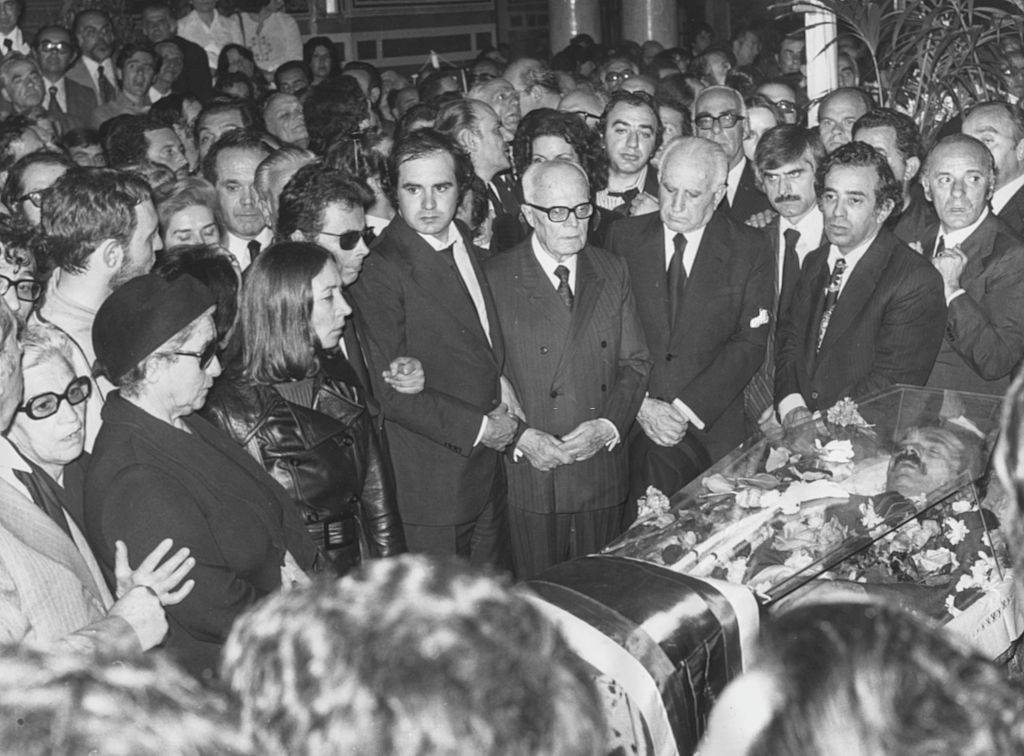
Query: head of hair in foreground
point(864, 679)
point(1008, 460)
point(64, 702)
point(413, 655)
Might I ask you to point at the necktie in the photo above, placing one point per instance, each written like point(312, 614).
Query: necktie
point(831, 297)
point(675, 278)
point(627, 196)
point(564, 291)
point(54, 107)
point(790, 269)
point(941, 246)
point(8, 46)
point(107, 91)
point(254, 248)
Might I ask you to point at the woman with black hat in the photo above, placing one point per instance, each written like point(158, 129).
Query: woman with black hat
point(160, 471)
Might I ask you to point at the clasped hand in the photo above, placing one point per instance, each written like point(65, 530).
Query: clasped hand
point(950, 263)
point(405, 375)
point(663, 423)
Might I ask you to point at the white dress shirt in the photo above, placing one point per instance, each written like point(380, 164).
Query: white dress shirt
point(810, 227)
point(239, 247)
point(602, 199)
point(950, 239)
point(18, 43)
point(213, 37)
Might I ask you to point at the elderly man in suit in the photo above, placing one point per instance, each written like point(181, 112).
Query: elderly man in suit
point(981, 261)
point(868, 311)
point(94, 68)
point(422, 294)
point(53, 592)
point(703, 284)
point(1000, 127)
point(720, 116)
point(575, 354)
point(66, 100)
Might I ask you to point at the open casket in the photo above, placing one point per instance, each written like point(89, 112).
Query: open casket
point(888, 497)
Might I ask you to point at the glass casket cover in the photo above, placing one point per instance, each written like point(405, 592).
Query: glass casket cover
point(885, 496)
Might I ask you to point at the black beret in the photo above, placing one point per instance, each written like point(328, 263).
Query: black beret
point(140, 316)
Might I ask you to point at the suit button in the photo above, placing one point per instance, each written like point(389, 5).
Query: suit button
point(668, 358)
point(294, 462)
point(604, 344)
point(495, 402)
point(543, 350)
point(814, 395)
point(604, 387)
point(553, 394)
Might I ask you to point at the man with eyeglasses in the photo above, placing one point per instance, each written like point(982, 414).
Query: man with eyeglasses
point(703, 285)
point(65, 99)
point(102, 230)
point(719, 115)
point(422, 293)
point(20, 283)
point(783, 96)
point(587, 104)
point(614, 72)
point(94, 69)
point(575, 354)
point(28, 179)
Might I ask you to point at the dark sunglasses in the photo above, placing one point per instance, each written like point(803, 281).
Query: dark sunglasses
point(205, 357)
point(44, 405)
point(348, 240)
point(25, 289)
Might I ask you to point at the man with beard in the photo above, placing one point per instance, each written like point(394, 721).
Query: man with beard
point(787, 158)
point(632, 133)
point(982, 265)
point(895, 135)
point(719, 115)
point(94, 69)
point(102, 230)
point(868, 311)
point(231, 167)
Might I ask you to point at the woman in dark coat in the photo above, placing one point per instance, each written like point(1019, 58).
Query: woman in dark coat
point(293, 400)
point(160, 471)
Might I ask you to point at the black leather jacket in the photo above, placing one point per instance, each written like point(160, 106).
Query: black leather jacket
point(328, 458)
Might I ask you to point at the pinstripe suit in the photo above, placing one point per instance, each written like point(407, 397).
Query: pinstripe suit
point(51, 588)
point(569, 366)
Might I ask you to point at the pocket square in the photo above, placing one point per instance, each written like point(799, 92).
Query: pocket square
point(760, 319)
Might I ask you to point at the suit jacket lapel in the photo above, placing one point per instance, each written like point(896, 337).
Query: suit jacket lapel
point(818, 280)
point(705, 276)
point(978, 247)
point(858, 289)
point(649, 273)
point(21, 516)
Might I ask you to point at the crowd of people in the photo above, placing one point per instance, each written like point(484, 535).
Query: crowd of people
point(270, 319)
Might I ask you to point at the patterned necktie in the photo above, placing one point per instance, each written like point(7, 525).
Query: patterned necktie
point(831, 297)
point(54, 107)
point(564, 291)
point(790, 269)
point(107, 91)
point(941, 246)
point(675, 277)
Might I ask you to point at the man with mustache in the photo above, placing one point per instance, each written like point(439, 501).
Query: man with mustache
point(927, 458)
point(868, 311)
point(786, 159)
point(982, 265)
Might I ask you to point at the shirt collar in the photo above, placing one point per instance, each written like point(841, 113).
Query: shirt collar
point(549, 263)
point(733, 179)
point(693, 238)
point(438, 245)
point(952, 238)
point(93, 66)
point(852, 257)
point(1003, 195)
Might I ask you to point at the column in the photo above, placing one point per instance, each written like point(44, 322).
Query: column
point(567, 18)
point(822, 68)
point(650, 19)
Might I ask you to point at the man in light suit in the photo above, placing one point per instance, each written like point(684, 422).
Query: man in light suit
point(703, 284)
point(94, 68)
point(868, 311)
point(981, 261)
point(422, 293)
point(66, 100)
point(53, 589)
point(575, 355)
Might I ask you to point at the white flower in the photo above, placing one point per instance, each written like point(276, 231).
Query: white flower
point(956, 530)
point(798, 560)
point(869, 517)
point(966, 582)
point(735, 570)
point(933, 560)
point(962, 505)
point(953, 611)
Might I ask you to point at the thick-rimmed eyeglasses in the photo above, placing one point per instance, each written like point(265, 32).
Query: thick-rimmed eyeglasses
point(36, 198)
point(45, 405)
point(25, 289)
point(47, 46)
point(560, 213)
point(348, 240)
point(205, 357)
point(726, 120)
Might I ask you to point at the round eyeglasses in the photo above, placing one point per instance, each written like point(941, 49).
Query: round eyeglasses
point(205, 357)
point(25, 289)
point(726, 120)
point(560, 213)
point(46, 405)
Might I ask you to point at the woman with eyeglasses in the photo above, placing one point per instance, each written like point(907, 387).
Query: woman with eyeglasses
point(160, 470)
point(293, 399)
point(20, 283)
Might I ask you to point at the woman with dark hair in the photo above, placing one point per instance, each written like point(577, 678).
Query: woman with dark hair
point(158, 470)
point(236, 59)
point(335, 109)
point(320, 54)
point(293, 399)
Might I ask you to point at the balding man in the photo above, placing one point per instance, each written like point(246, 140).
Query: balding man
point(982, 266)
point(868, 311)
point(503, 99)
point(719, 115)
point(1000, 127)
point(575, 354)
point(535, 83)
point(703, 284)
point(584, 103)
point(838, 113)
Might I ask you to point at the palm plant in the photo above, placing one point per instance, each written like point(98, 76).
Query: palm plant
point(930, 58)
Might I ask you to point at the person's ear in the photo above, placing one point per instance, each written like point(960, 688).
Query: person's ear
point(528, 213)
point(468, 140)
point(923, 179)
point(913, 166)
point(110, 253)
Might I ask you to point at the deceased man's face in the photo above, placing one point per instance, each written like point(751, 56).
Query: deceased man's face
point(925, 458)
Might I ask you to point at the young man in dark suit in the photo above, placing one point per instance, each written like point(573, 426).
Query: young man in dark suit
point(981, 261)
point(422, 294)
point(703, 284)
point(575, 355)
point(868, 311)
